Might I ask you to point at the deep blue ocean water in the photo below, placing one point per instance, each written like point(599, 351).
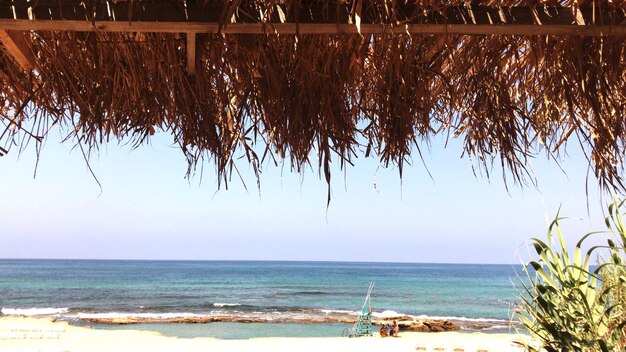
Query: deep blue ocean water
point(280, 296)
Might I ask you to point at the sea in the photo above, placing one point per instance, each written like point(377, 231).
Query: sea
point(247, 299)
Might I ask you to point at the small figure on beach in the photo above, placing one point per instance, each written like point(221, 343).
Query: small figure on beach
point(395, 329)
point(383, 330)
point(390, 329)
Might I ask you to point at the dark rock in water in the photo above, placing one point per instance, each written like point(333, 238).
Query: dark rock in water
point(478, 326)
point(418, 327)
point(212, 319)
point(434, 327)
point(423, 325)
point(406, 323)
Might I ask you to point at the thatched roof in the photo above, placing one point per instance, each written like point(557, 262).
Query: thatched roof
point(295, 79)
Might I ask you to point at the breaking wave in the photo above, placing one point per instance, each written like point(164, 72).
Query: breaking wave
point(33, 312)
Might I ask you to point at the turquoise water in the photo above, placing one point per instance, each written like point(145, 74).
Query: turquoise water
point(282, 298)
point(236, 331)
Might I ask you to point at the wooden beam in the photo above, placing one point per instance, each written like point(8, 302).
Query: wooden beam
point(314, 12)
point(16, 47)
point(191, 53)
point(311, 28)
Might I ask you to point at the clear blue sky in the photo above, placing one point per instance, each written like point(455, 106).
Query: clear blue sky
point(148, 210)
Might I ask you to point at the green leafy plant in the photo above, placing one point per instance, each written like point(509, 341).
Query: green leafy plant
point(568, 305)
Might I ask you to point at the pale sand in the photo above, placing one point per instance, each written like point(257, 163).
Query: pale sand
point(33, 334)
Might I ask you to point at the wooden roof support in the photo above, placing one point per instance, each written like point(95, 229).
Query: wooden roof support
point(309, 18)
point(311, 28)
point(603, 12)
point(16, 46)
point(191, 53)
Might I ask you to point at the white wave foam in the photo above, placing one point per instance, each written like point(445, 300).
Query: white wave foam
point(33, 311)
point(388, 314)
point(226, 304)
point(338, 311)
point(486, 320)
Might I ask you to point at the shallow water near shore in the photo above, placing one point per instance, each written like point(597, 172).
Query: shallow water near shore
point(232, 331)
point(280, 298)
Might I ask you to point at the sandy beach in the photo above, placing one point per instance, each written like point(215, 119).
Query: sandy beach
point(42, 334)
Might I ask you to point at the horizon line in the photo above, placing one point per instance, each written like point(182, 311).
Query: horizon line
point(255, 260)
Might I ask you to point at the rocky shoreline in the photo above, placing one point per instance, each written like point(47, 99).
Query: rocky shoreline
point(417, 325)
point(406, 323)
point(213, 319)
